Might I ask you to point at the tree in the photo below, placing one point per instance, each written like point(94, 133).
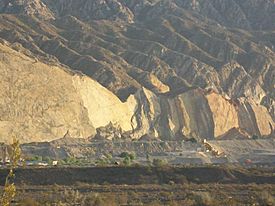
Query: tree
point(127, 158)
point(127, 161)
point(132, 156)
point(9, 188)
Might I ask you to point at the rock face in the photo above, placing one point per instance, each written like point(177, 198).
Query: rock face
point(225, 115)
point(202, 115)
point(167, 69)
point(103, 106)
point(38, 101)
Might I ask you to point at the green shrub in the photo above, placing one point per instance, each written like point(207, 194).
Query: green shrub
point(102, 162)
point(47, 159)
point(132, 156)
point(71, 160)
point(127, 161)
point(39, 158)
point(127, 158)
point(159, 162)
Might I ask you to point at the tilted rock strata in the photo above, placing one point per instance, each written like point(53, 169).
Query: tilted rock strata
point(168, 69)
point(42, 102)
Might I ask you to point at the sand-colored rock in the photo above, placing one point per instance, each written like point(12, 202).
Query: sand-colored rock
point(201, 123)
point(160, 87)
point(38, 102)
point(103, 106)
point(264, 121)
point(42, 102)
point(225, 116)
point(200, 114)
point(255, 119)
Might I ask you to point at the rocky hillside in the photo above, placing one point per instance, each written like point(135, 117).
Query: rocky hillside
point(167, 68)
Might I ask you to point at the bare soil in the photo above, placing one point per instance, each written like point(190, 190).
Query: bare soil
point(146, 185)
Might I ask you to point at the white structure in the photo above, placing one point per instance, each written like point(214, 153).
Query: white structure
point(54, 163)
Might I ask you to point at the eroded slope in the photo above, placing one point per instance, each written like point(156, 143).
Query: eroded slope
point(173, 69)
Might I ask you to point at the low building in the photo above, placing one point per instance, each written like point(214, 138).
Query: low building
point(54, 163)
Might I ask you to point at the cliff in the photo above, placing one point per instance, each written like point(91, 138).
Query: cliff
point(170, 69)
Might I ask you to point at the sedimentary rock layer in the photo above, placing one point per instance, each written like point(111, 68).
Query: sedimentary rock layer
point(171, 69)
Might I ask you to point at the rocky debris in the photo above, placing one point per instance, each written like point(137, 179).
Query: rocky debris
point(235, 133)
point(109, 132)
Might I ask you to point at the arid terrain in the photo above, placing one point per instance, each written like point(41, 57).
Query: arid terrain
point(177, 69)
point(146, 186)
point(137, 102)
point(89, 153)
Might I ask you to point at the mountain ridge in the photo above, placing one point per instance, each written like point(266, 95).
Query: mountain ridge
point(169, 50)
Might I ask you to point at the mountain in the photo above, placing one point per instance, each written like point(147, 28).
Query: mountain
point(171, 69)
